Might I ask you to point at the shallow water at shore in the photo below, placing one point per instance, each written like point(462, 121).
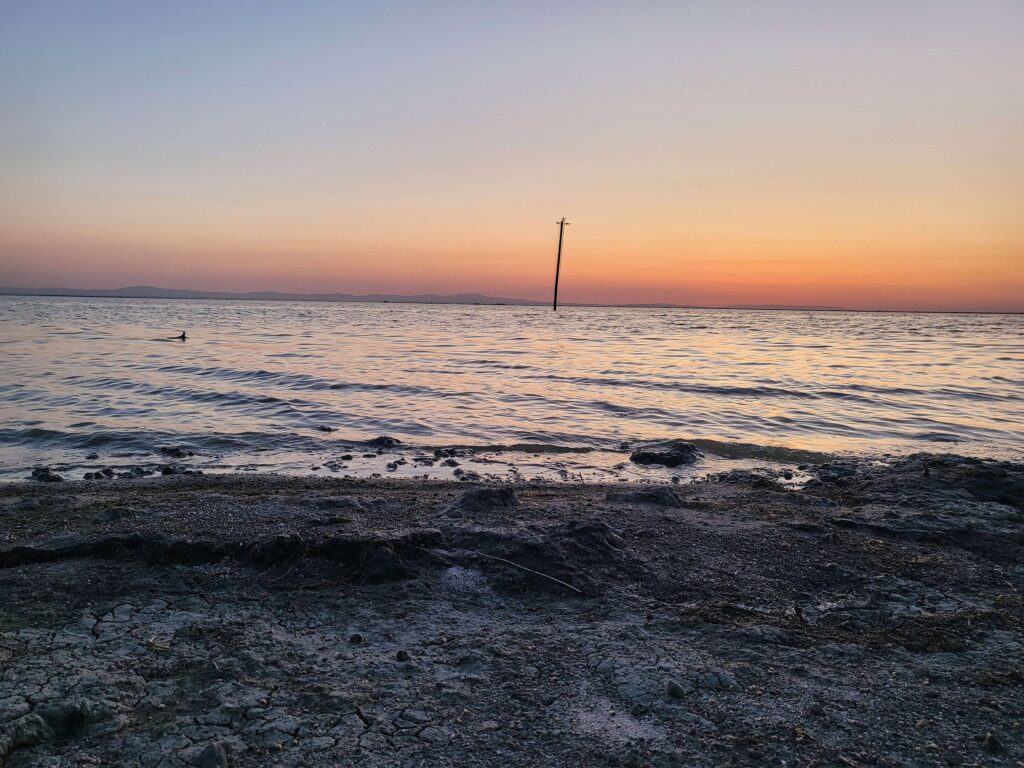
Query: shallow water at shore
point(257, 382)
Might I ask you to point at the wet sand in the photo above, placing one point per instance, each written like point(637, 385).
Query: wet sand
point(874, 616)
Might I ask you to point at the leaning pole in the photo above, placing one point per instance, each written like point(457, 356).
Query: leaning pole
point(558, 264)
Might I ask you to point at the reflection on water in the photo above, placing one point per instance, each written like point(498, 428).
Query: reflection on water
point(255, 380)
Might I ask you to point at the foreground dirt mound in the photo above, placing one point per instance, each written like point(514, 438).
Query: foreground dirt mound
point(874, 617)
point(950, 499)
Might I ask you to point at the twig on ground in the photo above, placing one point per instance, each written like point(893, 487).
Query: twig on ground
point(528, 570)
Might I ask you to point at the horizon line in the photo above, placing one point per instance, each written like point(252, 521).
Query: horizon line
point(463, 299)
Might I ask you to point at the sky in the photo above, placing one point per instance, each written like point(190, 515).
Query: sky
point(857, 154)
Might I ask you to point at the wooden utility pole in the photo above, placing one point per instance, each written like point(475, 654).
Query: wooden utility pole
point(558, 264)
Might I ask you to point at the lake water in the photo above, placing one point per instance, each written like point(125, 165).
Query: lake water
point(532, 391)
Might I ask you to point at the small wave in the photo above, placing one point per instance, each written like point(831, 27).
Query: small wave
point(302, 381)
point(520, 448)
point(704, 389)
point(938, 437)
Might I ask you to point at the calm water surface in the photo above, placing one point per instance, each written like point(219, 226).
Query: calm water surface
point(255, 380)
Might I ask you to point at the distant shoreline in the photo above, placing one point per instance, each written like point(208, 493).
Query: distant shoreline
point(153, 292)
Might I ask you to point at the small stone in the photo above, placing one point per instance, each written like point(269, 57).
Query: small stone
point(403, 655)
point(213, 756)
point(433, 734)
point(357, 639)
point(669, 454)
point(45, 475)
point(175, 451)
point(992, 744)
point(675, 690)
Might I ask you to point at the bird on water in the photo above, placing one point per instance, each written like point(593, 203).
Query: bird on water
point(182, 337)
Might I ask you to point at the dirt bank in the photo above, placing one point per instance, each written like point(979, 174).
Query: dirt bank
point(873, 617)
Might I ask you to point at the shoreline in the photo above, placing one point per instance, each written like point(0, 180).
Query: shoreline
point(874, 615)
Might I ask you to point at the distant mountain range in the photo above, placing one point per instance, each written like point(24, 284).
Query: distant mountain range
point(153, 292)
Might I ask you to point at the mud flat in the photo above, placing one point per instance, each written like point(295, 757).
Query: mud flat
point(874, 616)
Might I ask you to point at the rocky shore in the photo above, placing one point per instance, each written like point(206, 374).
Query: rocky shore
point(873, 616)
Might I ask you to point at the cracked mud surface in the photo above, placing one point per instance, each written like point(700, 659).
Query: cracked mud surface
point(875, 617)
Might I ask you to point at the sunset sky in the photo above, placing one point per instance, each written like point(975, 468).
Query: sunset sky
point(862, 154)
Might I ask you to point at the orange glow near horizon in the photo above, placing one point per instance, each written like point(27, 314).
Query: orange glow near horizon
point(864, 159)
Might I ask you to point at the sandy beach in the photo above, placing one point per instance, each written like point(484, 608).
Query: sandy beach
point(872, 617)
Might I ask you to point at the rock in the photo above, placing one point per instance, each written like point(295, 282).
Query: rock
point(45, 475)
point(992, 744)
point(670, 454)
point(213, 756)
point(675, 690)
point(319, 743)
point(403, 655)
point(357, 639)
point(345, 457)
point(433, 734)
point(716, 680)
point(384, 442)
point(135, 473)
point(1002, 482)
point(324, 428)
point(449, 463)
point(92, 457)
point(661, 495)
point(26, 731)
point(175, 451)
point(709, 680)
point(177, 469)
